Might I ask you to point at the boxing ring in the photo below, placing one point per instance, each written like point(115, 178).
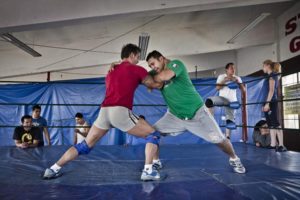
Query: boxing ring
point(113, 172)
point(192, 169)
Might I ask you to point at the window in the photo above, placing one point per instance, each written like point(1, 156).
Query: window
point(291, 109)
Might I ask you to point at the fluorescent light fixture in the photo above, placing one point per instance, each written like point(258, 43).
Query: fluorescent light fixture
point(249, 27)
point(11, 39)
point(143, 44)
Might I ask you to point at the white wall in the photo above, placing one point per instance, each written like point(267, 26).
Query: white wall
point(208, 61)
point(292, 40)
point(250, 59)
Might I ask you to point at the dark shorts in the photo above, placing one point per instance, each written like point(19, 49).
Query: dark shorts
point(41, 144)
point(272, 116)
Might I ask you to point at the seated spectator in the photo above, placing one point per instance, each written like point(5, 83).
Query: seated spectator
point(81, 132)
point(26, 136)
point(38, 120)
point(261, 135)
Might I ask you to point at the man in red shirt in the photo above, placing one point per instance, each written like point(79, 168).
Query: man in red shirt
point(116, 111)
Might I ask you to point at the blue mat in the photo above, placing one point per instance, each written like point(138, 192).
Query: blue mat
point(112, 172)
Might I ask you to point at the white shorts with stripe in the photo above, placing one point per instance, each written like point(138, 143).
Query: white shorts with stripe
point(202, 125)
point(116, 117)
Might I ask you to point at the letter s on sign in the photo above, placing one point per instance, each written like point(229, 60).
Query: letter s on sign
point(291, 26)
point(295, 44)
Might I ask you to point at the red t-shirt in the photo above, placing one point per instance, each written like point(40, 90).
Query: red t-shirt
point(121, 84)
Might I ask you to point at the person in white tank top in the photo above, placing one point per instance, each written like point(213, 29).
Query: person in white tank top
point(81, 132)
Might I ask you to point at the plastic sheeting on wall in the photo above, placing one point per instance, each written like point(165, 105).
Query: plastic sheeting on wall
point(78, 93)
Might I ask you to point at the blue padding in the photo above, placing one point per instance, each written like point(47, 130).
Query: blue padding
point(60, 93)
point(153, 138)
point(235, 105)
point(233, 85)
point(82, 148)
point(112, 172)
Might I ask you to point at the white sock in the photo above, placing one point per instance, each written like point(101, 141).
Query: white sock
point(55, 167)
point(234, 159)
point(148, 168)
point(156, 161)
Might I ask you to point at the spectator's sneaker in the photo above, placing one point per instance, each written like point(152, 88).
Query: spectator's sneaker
point(237, 166)
point(270, 147)
point(157, 166)
point(281, 149)
point(154, 176)
point(50, 174)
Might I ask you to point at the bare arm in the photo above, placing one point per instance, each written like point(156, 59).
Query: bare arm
point(86, 130)
point(165, 75)
point(75, 138)
point(47, 135)
point(220, 85)
point(20, 144)
point(112, 66)
point(242, 87)
point(271, 89)
point(34, 144)
point(84, 133)
point(151, 83)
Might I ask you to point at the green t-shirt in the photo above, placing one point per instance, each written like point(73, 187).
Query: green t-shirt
point(179, 93)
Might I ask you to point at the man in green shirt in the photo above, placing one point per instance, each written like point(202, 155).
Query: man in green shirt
point(186, 109)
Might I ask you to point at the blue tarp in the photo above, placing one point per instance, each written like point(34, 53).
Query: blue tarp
point(79, 93)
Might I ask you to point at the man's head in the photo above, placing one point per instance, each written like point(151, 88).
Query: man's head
point(26, 122)
point(131, 53)
point(36, 111)
point(156, 61)
point(142, 117)
point(262, 127)
point(79, 118)
point(230, 69)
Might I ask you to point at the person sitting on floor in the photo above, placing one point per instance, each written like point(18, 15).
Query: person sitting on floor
point(26, 135)
point(261, 134)
point(81, 132)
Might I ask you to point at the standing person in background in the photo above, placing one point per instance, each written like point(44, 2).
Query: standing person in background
point(270, 108)
point(38, 120)
point(81, 132)
point(227, 94)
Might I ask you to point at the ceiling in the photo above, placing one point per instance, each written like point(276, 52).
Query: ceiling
point(79, 39)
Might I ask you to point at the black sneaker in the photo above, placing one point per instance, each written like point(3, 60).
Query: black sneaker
point(281, 149)
point(270, 147)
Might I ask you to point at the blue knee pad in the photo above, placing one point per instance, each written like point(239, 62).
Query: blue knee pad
point(153, 138)
point(82, 148)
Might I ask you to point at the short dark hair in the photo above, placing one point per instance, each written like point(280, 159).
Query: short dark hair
point(142, 117)
point(25, 117)
point(259, 124)
point(38, 107)
point(228, 65)
point(154, 54)
point(128, 49)
point(79, 115)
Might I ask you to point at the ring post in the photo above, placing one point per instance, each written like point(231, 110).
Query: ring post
point(244, 115)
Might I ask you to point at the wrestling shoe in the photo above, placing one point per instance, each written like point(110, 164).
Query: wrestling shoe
point(50, 174)
point(237, 166)
point(281, 149)
point(157, 166)
point(153, 176)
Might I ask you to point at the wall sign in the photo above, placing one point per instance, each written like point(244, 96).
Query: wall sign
point(290, 28)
